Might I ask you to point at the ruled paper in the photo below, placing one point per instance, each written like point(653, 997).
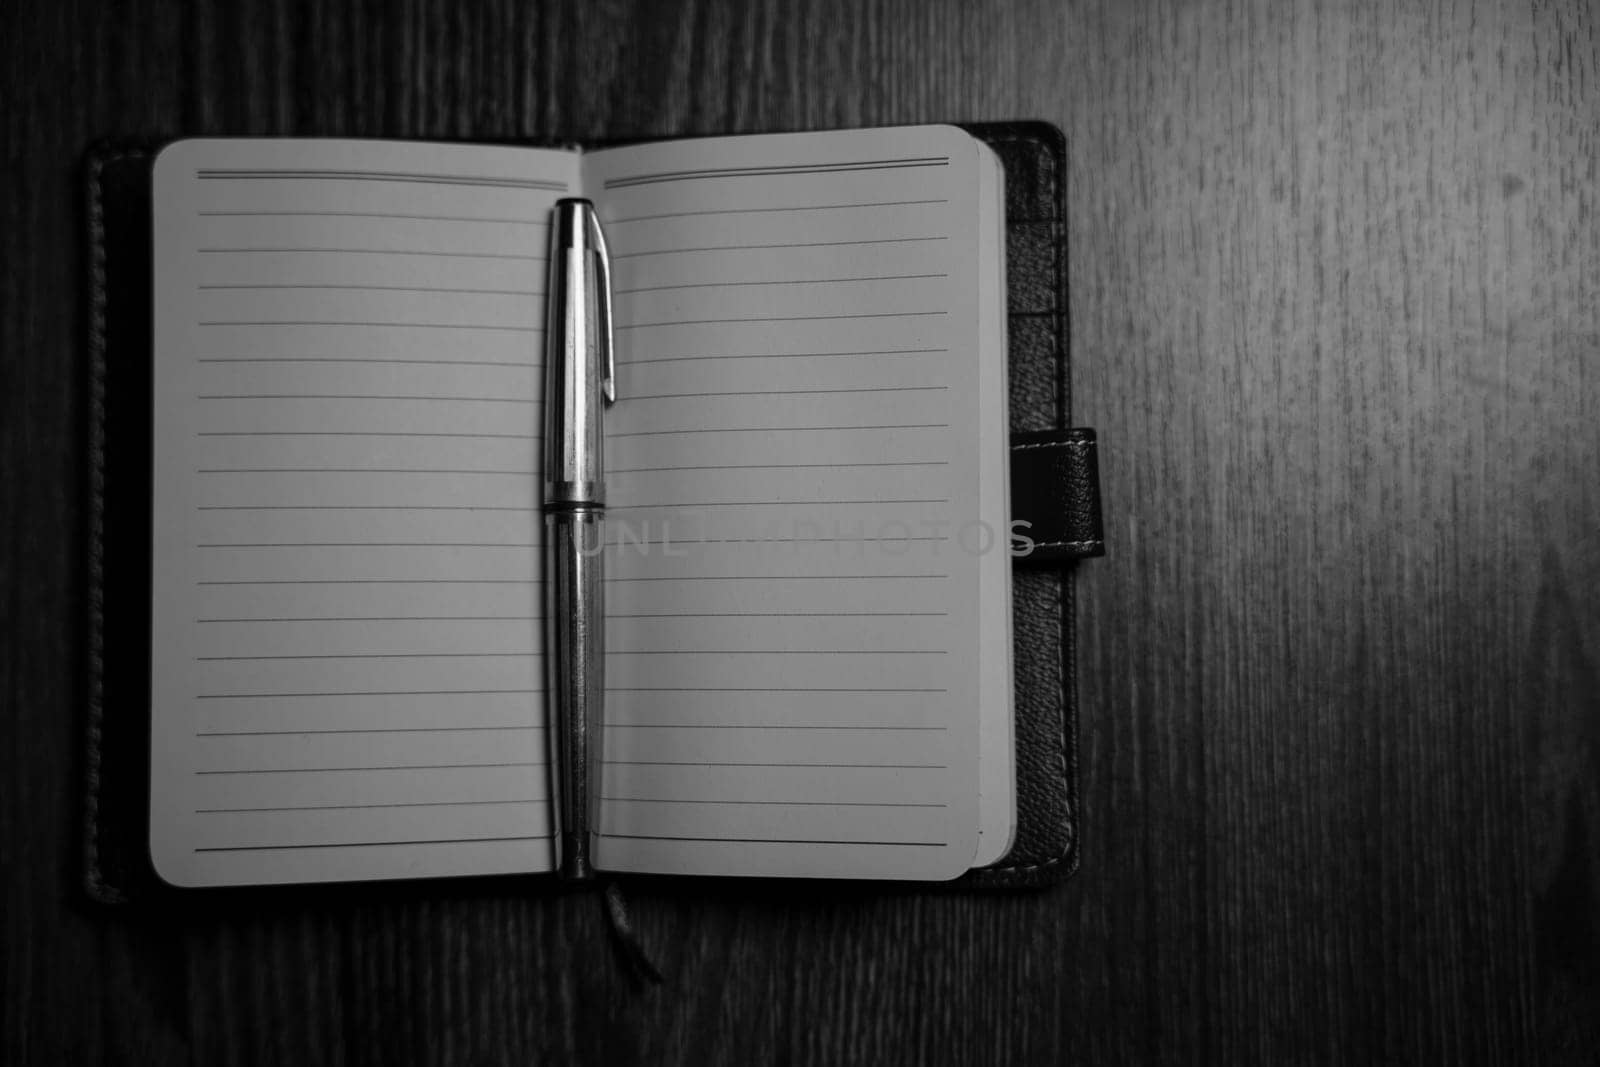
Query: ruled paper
point(345, 611)
point(793, 663)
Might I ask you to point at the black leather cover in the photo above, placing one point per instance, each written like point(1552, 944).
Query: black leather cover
point(1045, 849)
point(1055, 489)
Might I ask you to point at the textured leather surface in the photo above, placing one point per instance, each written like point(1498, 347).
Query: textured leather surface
point(117, 866)
point(1055, 489)
point(117, 761)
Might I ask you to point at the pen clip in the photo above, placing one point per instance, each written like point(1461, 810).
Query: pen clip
point(608, 384)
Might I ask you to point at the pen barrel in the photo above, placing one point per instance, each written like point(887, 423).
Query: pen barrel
point(575, 678)
point(576, 359)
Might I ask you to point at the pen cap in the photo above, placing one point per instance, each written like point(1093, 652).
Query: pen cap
point(577, 356)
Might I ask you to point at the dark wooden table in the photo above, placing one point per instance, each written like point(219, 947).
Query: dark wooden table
point(1335, 315)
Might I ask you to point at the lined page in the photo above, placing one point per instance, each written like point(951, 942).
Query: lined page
point(346, 627)
point(793, 657)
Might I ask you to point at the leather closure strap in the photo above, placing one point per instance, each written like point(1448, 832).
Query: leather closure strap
point(1055, 491)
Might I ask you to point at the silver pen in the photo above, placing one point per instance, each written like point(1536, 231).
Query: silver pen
point(580, 379)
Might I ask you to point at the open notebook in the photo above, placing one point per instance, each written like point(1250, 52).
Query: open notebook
point(808, 654)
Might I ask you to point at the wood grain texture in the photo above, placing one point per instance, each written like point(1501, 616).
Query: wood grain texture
point(1334, 294)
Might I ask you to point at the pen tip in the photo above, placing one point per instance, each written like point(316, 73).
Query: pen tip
point(575, 865)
